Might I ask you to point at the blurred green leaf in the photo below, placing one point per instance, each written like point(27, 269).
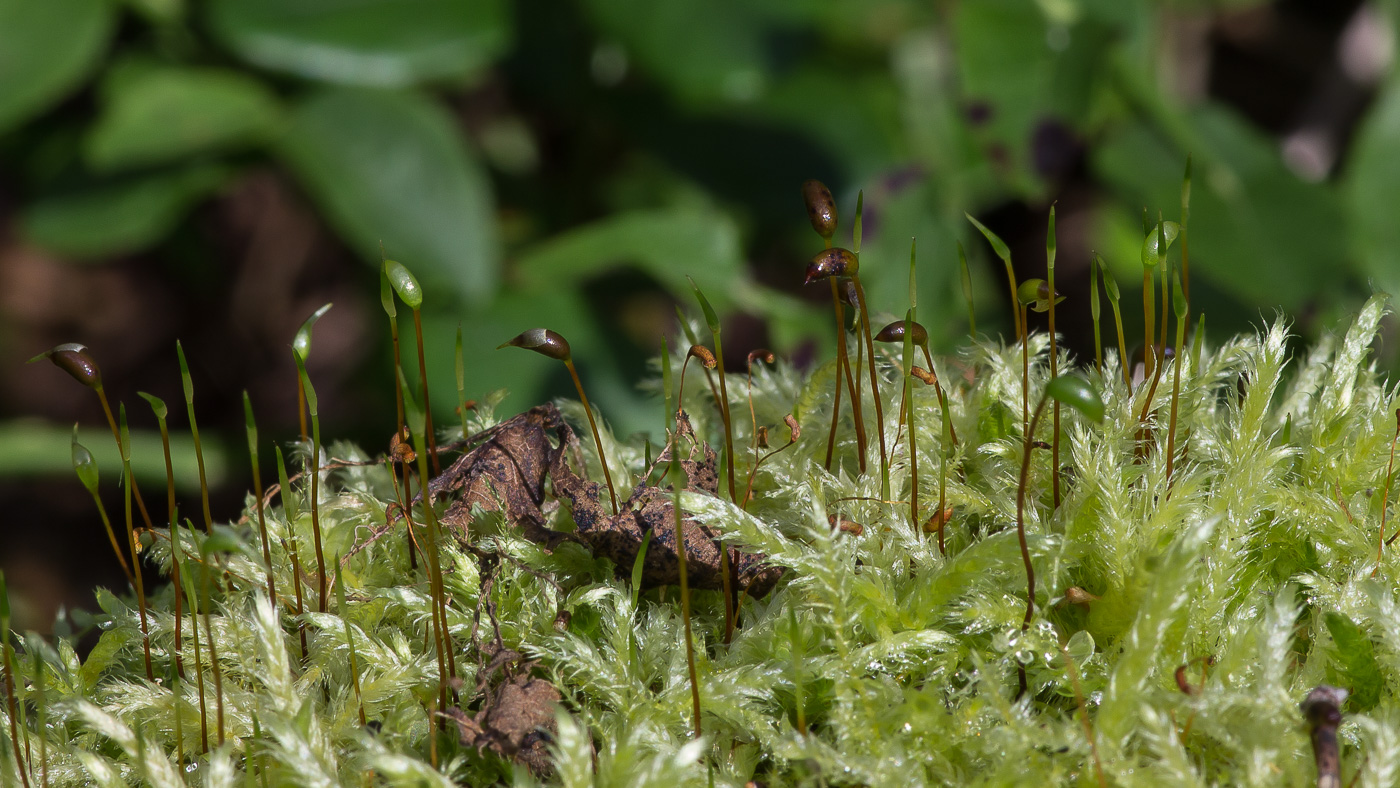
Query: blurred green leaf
point(1372, 191)
point(118, 217)
point(159, 11)
point(666, 244)
point(162, 114)
point(30, 448)
point(394, 167)
point(866, 137)
point(1257, 231)
point(705, 51)
point(1004, 66)
point(366, 42)
point(46, 48)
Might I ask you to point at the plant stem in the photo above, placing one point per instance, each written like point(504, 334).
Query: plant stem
point(387, 299)
point(1123, 361)
point(725, 568)
point(597, 439)
point(753, 433)
point(1185, 237)
point(1021, 533)
point(314, 468)
point(724, 415)
point(907, 407)
point(874, 389)
point(1166, 287)
point(301, 410)
point(116, 436)
point(943, 478)
point(198, 659)
point(685, 588)
point(1149, 349)
point(43, 721)
point(843, 364)
point(674, 473)
point(459, 366)
point(290, 515)
point(173, 525)
point(1054, 362)
point(1094, 313)
point(131, 543)
point(1025, 375)
point(427, 405)
point(258, 492)
point(213, 656)
point(446, 668)
point(1176, 395)
point(343, 611)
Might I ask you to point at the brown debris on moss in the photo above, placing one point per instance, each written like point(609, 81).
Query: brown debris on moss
point(507, 473)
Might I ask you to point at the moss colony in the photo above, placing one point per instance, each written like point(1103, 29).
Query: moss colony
point(1217, 552)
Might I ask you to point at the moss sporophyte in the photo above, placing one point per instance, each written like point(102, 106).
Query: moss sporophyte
point(1146, 592)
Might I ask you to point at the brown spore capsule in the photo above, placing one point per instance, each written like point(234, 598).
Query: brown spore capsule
point(845, 526)
point(400, 448)
point(562, 621)
point(821, 208)
point(1075, 595)
point(937, 520)
point(926, 376)
point(542, 341)
point(74, 359)
point(703, 353)
point(832, 262)
point(766, 356)
point(894, 332)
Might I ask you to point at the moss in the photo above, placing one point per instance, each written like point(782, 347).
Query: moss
point(1252, 566)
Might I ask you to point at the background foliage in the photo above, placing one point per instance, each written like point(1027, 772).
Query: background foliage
point(216, 170)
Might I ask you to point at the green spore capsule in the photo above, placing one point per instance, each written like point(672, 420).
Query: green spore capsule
point(404, 283)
